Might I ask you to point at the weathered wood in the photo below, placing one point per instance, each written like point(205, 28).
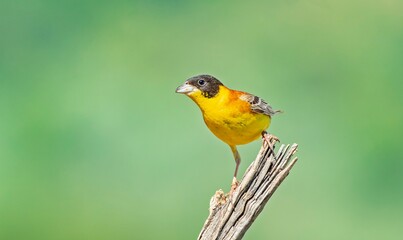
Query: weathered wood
point(232, 214)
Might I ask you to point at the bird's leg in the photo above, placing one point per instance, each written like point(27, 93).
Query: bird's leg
point(237, 158)
point(267, 137)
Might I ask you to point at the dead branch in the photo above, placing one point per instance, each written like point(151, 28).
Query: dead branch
point(232, 214)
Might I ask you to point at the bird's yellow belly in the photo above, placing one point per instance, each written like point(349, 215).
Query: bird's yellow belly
point(237, 128)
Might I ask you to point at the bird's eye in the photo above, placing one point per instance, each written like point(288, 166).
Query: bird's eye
point(201, 82)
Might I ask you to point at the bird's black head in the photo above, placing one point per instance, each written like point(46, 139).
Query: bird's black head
point(207, 84)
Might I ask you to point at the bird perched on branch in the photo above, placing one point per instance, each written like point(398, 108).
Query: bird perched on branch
point(233, 116)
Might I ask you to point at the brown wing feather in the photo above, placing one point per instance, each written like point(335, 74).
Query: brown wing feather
point(259, 105)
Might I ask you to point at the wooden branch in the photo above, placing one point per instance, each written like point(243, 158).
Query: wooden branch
point(232, 214)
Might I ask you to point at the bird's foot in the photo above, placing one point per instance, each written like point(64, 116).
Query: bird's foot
point(268, 138)
point(234, 185)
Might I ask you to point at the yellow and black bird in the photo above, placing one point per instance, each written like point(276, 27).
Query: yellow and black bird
point(233, 116)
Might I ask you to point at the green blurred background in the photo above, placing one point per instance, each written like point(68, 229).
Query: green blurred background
point(95, 144)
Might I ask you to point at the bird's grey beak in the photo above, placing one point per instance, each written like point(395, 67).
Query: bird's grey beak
point(185, 88)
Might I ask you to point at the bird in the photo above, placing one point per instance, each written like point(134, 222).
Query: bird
point(233, 116)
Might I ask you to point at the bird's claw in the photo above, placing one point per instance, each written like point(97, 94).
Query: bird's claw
point(234, 185)
point(268, 138)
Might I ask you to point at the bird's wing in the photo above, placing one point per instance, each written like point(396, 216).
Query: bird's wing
point(259, 105)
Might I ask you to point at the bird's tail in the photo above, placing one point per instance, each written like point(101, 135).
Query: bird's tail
point(273, 112)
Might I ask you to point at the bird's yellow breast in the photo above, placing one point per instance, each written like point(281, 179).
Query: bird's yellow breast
point(229, 117)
